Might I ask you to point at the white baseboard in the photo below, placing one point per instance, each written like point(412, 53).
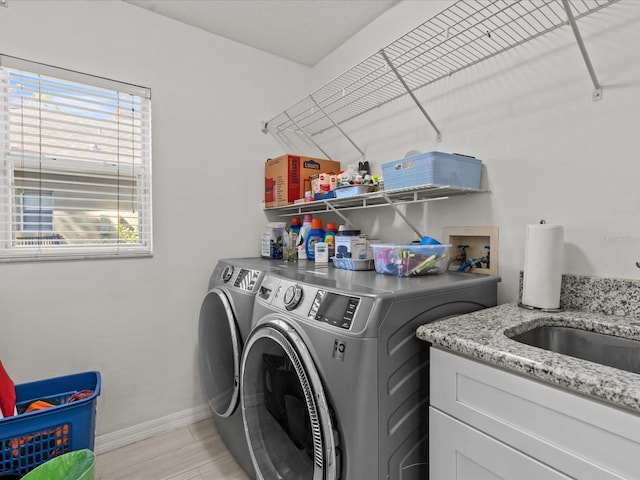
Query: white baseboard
point(126, 436)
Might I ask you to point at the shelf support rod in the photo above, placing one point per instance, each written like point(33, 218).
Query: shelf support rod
point(597, 93)
point(402, 215)
point(411, 94)
point(308, 136)
point(337, 212)
point(337, 126)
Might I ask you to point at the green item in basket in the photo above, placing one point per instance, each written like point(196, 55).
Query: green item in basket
point(77, 465)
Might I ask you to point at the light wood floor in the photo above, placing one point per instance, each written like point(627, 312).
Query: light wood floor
point(195, 452)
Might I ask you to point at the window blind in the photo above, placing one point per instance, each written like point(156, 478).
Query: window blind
point(76, 164)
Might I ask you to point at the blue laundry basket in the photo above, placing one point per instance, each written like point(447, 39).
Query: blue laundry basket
point(30, 439)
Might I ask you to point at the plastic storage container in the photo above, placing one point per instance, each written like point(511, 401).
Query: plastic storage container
point(353, 263)
point(30, 439)
point(435, 168)
point(353, 190)
point(410, 260)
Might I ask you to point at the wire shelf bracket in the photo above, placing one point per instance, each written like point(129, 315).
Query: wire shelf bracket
point(402, 215)
point(307, 136)
point(337, 126)
point(411, 94)
point(339, 213)
point(597, 92)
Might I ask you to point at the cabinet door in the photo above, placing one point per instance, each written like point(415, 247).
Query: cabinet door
point(581, 437)
point(460, 452)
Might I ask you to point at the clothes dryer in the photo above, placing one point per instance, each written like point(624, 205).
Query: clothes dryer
point(335, 384)
point(224, 324)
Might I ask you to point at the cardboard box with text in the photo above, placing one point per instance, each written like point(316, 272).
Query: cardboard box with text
point(285, 176)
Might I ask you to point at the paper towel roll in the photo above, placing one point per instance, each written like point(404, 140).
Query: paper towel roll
point(543, 266)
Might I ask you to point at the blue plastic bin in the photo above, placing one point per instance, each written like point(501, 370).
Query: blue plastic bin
point(432, 168)
point(30, 439)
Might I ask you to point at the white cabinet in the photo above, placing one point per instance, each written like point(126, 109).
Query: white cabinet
point(463, 453)
point(487, 422)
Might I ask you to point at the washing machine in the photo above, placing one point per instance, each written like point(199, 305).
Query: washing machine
point(334, 382)
point(224, 325)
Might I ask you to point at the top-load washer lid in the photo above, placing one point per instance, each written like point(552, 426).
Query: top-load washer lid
point(219, 352)
point(286, 415)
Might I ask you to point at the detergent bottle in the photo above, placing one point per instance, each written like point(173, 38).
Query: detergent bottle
point(304, 235)
point(295, 226)
point(331, 230)
point(315, 235)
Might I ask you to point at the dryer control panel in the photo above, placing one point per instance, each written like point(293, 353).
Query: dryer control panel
point(247, 279)
point(338, 309)
point(236, 277)
point(334, 308)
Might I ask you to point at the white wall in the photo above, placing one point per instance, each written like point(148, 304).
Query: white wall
point(135, 320)
point(550, 152)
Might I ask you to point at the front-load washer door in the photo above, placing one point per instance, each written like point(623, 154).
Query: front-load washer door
point(286, 416)
point(220, 351)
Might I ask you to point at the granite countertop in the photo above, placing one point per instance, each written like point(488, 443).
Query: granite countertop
point(483, 335)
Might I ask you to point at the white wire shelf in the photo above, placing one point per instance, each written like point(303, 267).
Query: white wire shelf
point(382, 198)
point(466, 33)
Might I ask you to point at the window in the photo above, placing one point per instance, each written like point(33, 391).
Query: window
point(75, 177)
point(37, 211)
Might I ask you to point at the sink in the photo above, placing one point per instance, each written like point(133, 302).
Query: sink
point(609, 350)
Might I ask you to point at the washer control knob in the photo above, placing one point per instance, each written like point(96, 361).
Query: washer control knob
point(227, 273)
point(292, 297)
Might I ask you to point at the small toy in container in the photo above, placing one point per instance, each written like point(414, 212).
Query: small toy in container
point(410, 260)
